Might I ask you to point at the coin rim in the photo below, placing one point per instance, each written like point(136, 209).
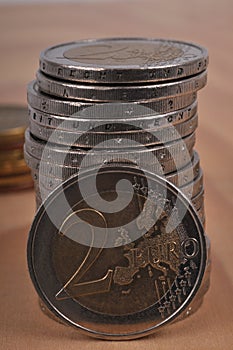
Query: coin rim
point(135, 73)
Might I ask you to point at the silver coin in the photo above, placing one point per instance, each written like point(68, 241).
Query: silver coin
point(65, 107)
point(176, 150)
point(65, 171)
point(104, 120)
point(127, 93)
point(179, 178)
point(123, 60)
point(137, 135)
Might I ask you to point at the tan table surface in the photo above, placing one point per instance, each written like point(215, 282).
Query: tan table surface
point(24, 32)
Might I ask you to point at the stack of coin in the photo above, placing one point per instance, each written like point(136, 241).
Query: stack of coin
point(14, 173)
point(107, 102)
point(152, 84)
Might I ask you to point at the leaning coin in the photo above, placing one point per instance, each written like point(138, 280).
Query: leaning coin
point(123, 273)
point(136, 136)
point(123, 60)
point(64, 107)
point(179, 151)
point(96, 93)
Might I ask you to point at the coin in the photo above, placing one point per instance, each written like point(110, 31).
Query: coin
point(65, 107)
point(64, 171)
point(197, 302)
point(110, 118)
point(15, 154)
point(12, 167)
point(136, 136)
point(13, 123)
point(123, 60)
point(99, 289)
point(16, 182)
point(179, 151)
point(128, 93)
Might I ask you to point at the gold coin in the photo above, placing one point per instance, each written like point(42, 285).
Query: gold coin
point(11, 155)
point(9, 168)
point(16, 182)
point(13, 122)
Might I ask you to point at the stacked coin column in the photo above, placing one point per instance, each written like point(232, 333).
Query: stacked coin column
point(152, 86)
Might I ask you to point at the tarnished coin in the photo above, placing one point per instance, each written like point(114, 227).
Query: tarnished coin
point(123, 60)
point(148, 92)
point(117, 274)
point(65, 107)
point(179, 151)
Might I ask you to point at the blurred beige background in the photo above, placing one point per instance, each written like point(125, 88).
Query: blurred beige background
point(27, 29)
